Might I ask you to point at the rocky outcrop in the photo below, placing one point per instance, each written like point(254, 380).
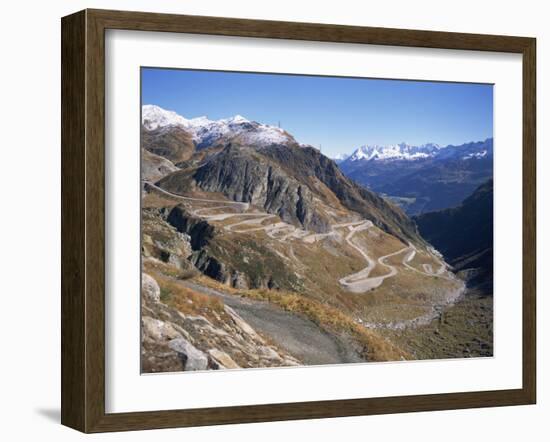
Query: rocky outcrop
point(149, 288)
point(199, 231)
point(164, 242)
point(210, 266)
point(158, 330)
point(177, 341)
point(241, 264)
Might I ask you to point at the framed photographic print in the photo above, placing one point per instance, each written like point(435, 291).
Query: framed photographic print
point(269, 220)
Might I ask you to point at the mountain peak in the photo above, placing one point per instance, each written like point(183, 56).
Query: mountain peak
point(237, 119)
point(153, 117)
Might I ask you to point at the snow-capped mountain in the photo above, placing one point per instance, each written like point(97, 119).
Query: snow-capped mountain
point(407, 152)
point(207, 132)
point(422, 178)
point(400, 151)
point(153, 117)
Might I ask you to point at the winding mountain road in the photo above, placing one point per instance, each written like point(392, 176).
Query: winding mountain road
point(359, 282)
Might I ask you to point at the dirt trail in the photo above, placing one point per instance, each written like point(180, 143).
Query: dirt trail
point(299, 336)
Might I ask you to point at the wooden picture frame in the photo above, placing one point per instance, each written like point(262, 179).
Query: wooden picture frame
point(83, 220)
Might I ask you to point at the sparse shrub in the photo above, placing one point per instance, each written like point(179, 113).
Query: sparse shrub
point(165, 294)
point(188, 301)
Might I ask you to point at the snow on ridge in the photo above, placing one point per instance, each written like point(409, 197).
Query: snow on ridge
point(153, 117)
point(475, 155)
point(205, 131)
point(394, 151)
point(236, 119)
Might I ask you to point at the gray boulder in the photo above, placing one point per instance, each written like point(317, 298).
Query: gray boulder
point(193, 358)
point(150, 288)
point(158, 330)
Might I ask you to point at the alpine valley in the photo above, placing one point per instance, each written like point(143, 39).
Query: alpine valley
point(422, 178)
point(259, 251)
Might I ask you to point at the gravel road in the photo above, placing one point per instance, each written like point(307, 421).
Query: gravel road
point(299, 336)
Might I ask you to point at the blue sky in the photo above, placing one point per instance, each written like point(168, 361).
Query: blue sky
point(339, 113)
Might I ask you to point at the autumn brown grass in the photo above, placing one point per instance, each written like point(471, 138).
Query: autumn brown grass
point(375, 347)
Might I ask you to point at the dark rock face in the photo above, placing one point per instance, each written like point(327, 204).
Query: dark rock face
point(199, 231)
point(242, 174)
point(464, 235)
point(210, 266)
point(240, 264)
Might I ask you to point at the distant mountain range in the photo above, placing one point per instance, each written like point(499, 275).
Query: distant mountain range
point(464, 235)
point(401, 151)
point(422, 178)
point(409, 152)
